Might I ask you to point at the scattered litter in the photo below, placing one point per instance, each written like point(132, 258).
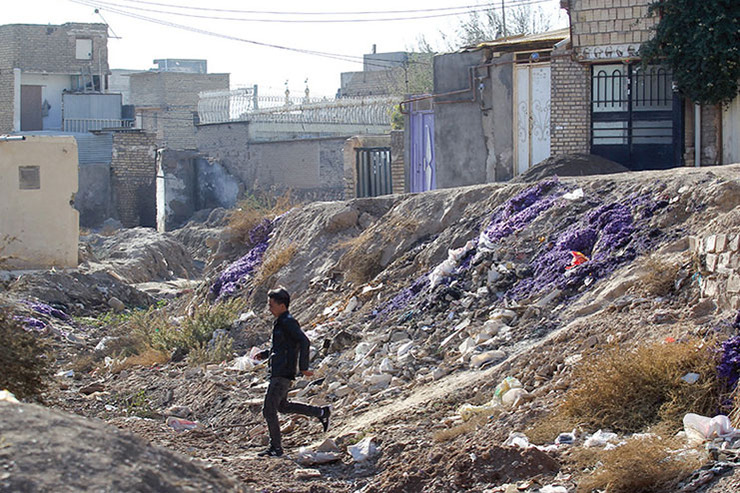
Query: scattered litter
point(66, 373)
point(553, 489)
point(566, 438)
point(7, 396)
point(700, 428)
point(691, 377)
point(576, 194)
point(504, 387)
point(516, 439)
point(363, 450)
point(600, 439)
point(578, 259)
point(306, 473)
point(308, 457)
point(179, 424)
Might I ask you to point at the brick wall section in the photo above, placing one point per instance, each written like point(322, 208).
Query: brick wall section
point(133, 172)
point(42, 48)
point(610, 22)
point(6, 100)
point(570, 120)
point(174, 97)
point(720, 265)
point(398, 166)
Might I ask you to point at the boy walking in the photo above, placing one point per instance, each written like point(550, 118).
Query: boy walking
point(289, 351)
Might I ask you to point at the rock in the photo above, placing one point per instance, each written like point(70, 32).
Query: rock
point(344, 219)
point(306, 473)
point(478, 360)
point(92, 388)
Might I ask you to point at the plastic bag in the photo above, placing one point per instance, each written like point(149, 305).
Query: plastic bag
point(506, 385)
point(700, 428)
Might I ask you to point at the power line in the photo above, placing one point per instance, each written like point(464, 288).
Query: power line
point(294, 21)
point(371, 12)
point(336, 56)
point(459, 11)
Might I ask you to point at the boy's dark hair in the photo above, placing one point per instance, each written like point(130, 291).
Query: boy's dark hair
point(280, 295)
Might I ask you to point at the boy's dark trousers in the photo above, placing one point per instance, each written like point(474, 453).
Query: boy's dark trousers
point(276, 400)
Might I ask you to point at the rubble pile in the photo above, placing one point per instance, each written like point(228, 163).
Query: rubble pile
point(443, 325)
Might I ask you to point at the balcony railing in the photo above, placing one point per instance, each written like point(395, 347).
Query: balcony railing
point(82, 125)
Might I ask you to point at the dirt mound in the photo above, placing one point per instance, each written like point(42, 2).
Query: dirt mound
point(571, 165)
point(45, 450)
point(139, 255)
point(77, 293)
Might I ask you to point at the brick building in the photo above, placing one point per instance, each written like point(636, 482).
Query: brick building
point(40, 63)
point(604, 102)
point(133, 174)
point(166, 103)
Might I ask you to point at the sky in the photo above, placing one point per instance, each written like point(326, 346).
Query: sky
point(135, 41)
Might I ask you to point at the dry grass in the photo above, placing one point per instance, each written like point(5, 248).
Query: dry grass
point(219, 350)
point(361, 259)
point(250, 211)
point(642, 465)
point(657, 277)
point(547, 429)
point(148, 358)
point(630, 390)
point(466, 427)
point(276, 261)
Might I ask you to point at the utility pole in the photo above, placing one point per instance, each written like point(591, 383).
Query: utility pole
point(503, 16)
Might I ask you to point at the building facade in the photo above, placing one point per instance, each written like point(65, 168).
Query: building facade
point(166, 103)
point(605, 102)
point(41, 63)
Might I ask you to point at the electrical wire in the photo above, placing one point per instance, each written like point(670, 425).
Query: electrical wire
point(370, 12)
point(468, 10)
point(296, 21)
point(336, 56)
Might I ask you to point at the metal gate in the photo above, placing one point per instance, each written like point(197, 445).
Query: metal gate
point(373, 171)
point(636, 118)
point(421, 153)
point(532, 115)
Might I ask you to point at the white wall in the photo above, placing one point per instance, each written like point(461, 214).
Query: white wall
point(731, 133)
point(51, 91)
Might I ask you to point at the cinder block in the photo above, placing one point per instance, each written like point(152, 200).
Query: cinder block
point(733, 284)
point(709, 289)
point(710, 243)
point(711, 262)
point(693, 243)
point(734, 243)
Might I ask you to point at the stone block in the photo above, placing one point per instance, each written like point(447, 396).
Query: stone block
point(720, 243)
point(710, 287)
point(694, 243)
point(711, 262)
point(734, 243)
point(733, 284)
point(710, 243)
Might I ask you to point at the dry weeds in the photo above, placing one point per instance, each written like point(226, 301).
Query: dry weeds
point(276, 261)
point(630, 390)
point(642, 465)
point(250, 211)
point(468, 426)
point(657, 277)
point(148, 358)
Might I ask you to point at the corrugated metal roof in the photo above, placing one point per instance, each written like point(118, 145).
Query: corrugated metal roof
point(523, 39)
point(94, 148)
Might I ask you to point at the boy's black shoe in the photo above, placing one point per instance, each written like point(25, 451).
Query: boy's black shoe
point(325, 417)
point(271, 452)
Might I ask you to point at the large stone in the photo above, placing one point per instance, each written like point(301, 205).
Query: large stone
point(710, 243)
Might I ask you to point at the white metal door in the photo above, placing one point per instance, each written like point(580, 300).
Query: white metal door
point(532, 115)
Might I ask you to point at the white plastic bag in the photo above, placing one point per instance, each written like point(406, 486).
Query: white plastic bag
point(700, 428)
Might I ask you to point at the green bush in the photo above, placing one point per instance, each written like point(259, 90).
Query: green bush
point(24, 358)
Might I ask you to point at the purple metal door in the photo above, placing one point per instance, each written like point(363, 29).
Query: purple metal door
point(422, 176)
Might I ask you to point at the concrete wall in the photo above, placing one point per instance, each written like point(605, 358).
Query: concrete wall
point(186, 183)
point(39, 226)
point(311, 168)
point(52, 87)
point(133, 178)
point(731, 133)
point(93, 200)
point(473, 140)
point(169, 103)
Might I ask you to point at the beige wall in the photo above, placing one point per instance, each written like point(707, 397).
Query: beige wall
point(42, 223)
